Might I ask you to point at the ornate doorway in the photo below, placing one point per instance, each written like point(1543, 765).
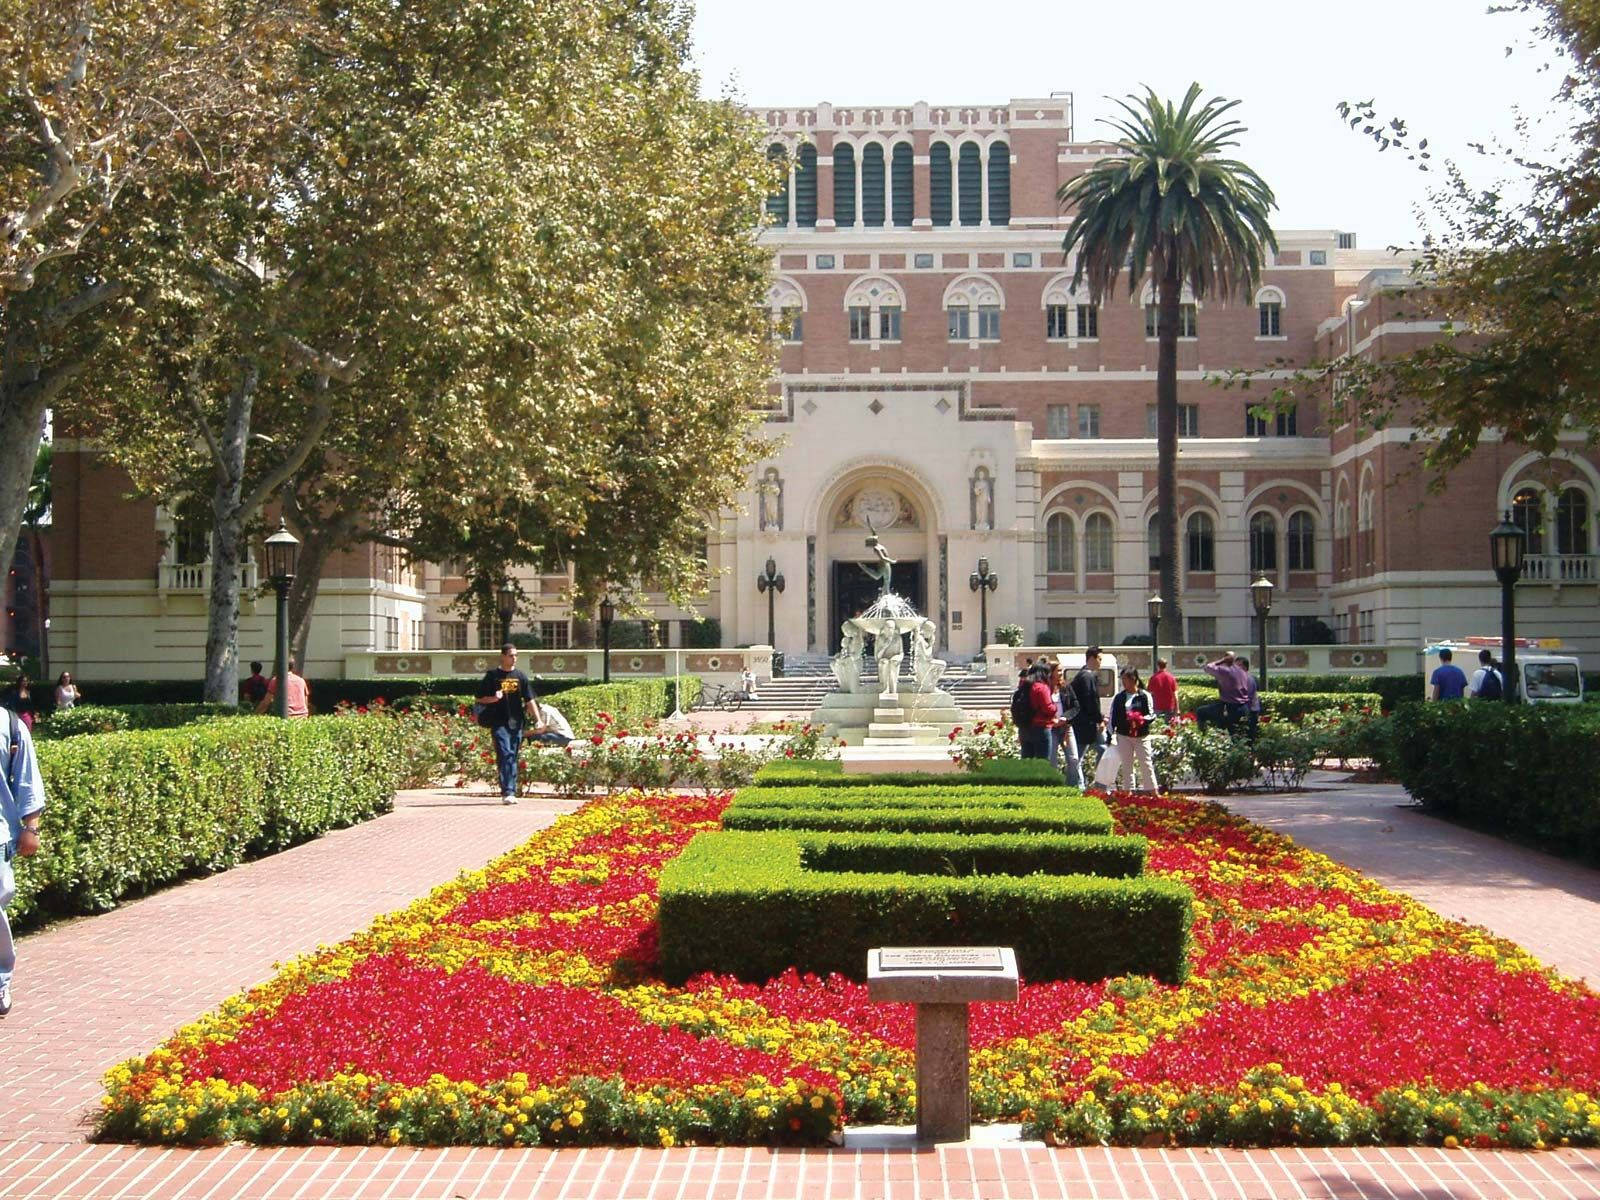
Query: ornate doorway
point(853, 590)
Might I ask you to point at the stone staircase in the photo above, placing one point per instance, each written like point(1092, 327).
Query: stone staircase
point(807, 679)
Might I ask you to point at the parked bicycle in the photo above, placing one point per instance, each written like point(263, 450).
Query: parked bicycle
point(721, 696)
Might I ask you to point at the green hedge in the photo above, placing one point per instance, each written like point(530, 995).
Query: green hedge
point(326, 694)
point(1287, 706)
point(922, 810)
point(1527, 770)
point(128, 812)
point(724, 899)
point(1394, 689)
point(106, 718)
point(829, 772)
point(975, 854)
point(628, 704)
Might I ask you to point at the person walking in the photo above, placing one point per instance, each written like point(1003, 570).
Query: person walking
point(1042, 713)
point(19, 699)
point(254, 688)
point(1487, 682)
point(507, 702)
point(1088, 727)
point(298, 691)
point(1132, 713)
point(1064, 743)
point(22, 807)
point(1448, 681)
point(67, 693)
point(1163, 688)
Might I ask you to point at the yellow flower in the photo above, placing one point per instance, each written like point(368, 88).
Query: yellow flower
point(508, 1129)
point(575, 1119)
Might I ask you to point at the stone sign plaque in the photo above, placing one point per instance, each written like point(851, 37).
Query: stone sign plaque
point(941, 958)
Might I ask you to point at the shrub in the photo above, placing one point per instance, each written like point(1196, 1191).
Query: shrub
point(975, 854)
point(721, 898)
point(704, 634)
point(830, 773)
point(1288, 706)
point(1009, 635)
point(1528, 770)
point(102, 718)
point(922, 810)
point(85, 718)
point(1217, 759)
point(326, 694)
point(1285, 752)
point(128, 812)
point(1393, 689)
point(984, 742)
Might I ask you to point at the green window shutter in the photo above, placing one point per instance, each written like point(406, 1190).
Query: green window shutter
point(778, 201)
point(999, 184)
point(805, 187)
point(939, 191)
point(872, 185)
point(970, 184)
point(904, 197)
point(844, 184)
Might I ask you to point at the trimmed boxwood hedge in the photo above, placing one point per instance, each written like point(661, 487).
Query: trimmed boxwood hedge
point(326, 694)
point(920, 810)
point(116, 718)
point(629, 705)
point(1394, 689)
point(975, 854)
point(743, 904)
point(1011, 772)
point(1286, 706)
point(128, 812)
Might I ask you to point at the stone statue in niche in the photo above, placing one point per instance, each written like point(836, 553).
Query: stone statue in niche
point(982, 500)
point(770, 493)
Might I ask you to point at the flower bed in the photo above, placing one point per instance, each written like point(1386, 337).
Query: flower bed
point(520, 1004)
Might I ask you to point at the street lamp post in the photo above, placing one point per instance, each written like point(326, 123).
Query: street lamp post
point(983, 581)
point(1154, 606)
point(770, 581)
point(505, 598)
point(1261, 598)
point(283, 556)
point(1507, 545)
point(608, 614)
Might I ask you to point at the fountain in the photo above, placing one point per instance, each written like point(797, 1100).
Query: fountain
point(897, 713)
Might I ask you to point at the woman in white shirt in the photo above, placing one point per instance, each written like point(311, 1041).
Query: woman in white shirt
point(67, 693)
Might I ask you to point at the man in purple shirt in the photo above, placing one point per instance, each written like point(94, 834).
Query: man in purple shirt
point(1233, 694)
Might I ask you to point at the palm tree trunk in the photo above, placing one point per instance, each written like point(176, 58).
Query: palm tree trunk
point(1170, 296)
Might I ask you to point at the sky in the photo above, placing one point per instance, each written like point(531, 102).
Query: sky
point(1439, 64)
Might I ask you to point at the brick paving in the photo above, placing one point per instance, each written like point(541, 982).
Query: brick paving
point(93, 991)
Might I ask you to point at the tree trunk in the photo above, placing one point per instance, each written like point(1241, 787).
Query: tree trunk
point(41, 597)
point(21, 430)
point(227, 531)
point(1171, 294)
point(316, 548)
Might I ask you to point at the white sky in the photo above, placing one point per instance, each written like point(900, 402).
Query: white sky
point(1439, 64)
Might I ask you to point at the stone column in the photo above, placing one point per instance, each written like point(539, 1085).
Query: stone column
point(944, 1091)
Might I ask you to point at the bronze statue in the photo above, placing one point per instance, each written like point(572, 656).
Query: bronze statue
point(884, 571)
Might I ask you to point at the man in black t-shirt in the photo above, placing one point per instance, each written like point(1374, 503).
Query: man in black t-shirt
point(507, 700)
point(1088, 727)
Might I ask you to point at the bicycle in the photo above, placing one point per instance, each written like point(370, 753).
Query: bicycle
point(721, 696)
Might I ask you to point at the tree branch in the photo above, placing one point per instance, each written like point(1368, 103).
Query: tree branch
point(321, 414)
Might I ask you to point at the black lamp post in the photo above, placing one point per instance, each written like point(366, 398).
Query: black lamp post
point(1153, 605)
point(1507, 546)
point(770, 581)
point(1261, 599)
point(608, 614)
point(983, 581)
point(505, 603)
point(283, 556)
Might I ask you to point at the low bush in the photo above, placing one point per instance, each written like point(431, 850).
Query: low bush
point(984, 742)
point(1527, 770)
point(1062, 926)
point(128, 812)
point(1285, 752)
point(922, 810)
point(105, 718)
point(975, 854)
point(1030, 772)
point(1288, 706)
point(1391, 689)
point(326, 694)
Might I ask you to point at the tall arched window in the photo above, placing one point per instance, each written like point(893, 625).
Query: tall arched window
point(1201, 540)
point(778, 201)
point(872, 185)
point(844, 184)
point(1263, 543)
point(1097, 542)
point(1302, 542)
point(1058, 555)
point(904, 187)
point(970, 183)
point(805, 187)
point(999, 183)
point(1572, 522)
point(1527, 514)
point(1152, 541)
point(940, 193)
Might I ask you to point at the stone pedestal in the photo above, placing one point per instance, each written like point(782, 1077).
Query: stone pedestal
point(942, 981)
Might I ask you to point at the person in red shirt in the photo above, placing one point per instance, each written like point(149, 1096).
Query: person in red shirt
point(1163, 689)
point(298, 691)
point(1036, 739)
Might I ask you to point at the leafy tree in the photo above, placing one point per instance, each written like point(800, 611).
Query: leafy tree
point(1167, 205)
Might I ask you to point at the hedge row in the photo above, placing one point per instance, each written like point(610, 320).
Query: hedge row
point(724, 898)
point(1526, 770)
point(1394, 689)
point(975, 854)
point(920, 810)
point(1286, 706)
point(829, 772)
point(326, 694)
point(128, 812)
point(629, 705)
point(119, 718)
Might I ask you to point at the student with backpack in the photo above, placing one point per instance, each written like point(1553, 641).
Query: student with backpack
point(1088, 727)
point(21, 805)
point(1033, 708)
point(1487, 682)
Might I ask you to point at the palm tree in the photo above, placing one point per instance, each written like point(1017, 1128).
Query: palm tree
point(1169, 205)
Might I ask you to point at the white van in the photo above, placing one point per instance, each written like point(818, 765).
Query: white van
point(1544, 677)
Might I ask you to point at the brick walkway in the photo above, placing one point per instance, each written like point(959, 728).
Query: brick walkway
point(94, 991)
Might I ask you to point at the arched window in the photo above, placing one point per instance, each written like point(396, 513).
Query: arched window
point(970, 183)
point(1269, 312)
point(999, 183)
point(901, 177)
point(1263, 544)
point(1097, 543)
point(1152, 541)
point(940, 193)
point(805, 187)
point(1201, 539)
point(1302, 542)
point(1572, 522)
point(872, 185)
point(778, 201)
point(1058, 555)
point(1527, 514)
point(844, 184)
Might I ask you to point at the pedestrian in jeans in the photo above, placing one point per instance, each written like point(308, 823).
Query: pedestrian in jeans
point(1252, 702)
point(1233, 691)
point(1063, 744)
point(21, 804)
point(1088, 727)
point(1042, 701)
point(507, 701)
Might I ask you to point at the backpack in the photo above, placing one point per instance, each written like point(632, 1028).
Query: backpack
point(1022, 704)
point(1492, 688)
point(14, 753)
